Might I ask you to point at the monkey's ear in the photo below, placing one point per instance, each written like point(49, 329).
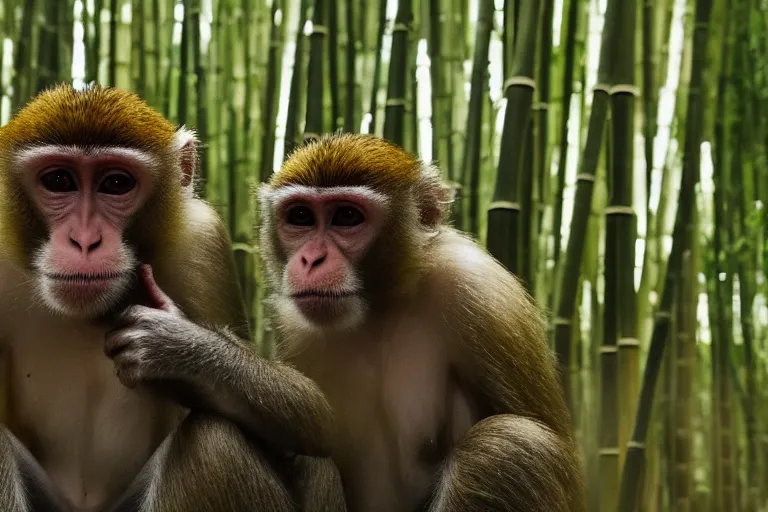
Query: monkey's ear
point(185, 144)
point(433, 197)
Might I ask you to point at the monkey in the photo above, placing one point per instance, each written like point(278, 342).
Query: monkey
point(127, 380)
point(431, 354)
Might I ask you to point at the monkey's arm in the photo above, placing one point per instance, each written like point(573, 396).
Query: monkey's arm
point(213, 368)
point(521, 457)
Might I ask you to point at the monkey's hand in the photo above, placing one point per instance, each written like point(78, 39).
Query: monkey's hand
point(154, 343)
point(214, 370)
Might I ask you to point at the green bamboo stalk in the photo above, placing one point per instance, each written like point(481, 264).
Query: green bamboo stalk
point(504, 212)
point(382, 25)
point(650, 103)
point(297, 91)
point(567, 84)
point(24, 78)
point(684, 360)
point(633, 472)
point(48, 61)
point(394, 113)
point(742, 182)
point(333, 64)
point(271, 91)
point(543, 115)
point(442, 97)
point(351, 117)
point(199, 73)
point(621, 228)
point(619, 350)
point(112, 69)
point(183, 95)
point(566, 299)
point(477, 95)
point(65, 39)
point(316, 72)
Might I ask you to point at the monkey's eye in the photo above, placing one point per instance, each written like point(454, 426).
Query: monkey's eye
point(300, 216)
point(117, 184)
point(347, 216)
point(58, 180)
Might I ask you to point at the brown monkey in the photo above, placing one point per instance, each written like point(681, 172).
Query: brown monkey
point(432, 355)
point(97, 214)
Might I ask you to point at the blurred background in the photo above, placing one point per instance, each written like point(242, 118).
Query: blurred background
point(611, 153)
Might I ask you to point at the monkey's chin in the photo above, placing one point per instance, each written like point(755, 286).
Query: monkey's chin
point(329, 313)
point(83, 298)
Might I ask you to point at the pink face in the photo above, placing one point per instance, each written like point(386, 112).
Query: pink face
point(326, 232)
point(85, 198)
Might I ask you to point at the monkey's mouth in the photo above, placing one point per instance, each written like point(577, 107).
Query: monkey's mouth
point(85, 278)
point(320, 294)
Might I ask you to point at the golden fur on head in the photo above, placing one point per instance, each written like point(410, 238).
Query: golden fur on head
point(350, 160)
point(96, 116)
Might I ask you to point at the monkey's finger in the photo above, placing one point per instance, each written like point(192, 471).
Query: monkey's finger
point(130, 316)
point(159, 299)
point(115, 342)
point(128, 374)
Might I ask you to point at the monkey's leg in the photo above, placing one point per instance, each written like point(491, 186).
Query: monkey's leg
point(24, 485)
point(317, 485)
point(511, 464)
point(207, 464)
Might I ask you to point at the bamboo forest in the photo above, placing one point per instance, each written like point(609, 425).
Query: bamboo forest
point(611, 153)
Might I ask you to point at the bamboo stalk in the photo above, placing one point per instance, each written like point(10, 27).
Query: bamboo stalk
point(633, 472)
point(504, 211)
point(477, 100)
point(394, 113)
point(316, 73)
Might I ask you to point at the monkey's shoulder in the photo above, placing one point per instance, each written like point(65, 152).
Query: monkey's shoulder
point(201, 276)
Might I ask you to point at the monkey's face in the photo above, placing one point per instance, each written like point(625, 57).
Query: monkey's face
point(325, 233)
point(84, 266)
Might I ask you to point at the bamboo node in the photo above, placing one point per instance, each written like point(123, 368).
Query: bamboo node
point(311, 136)
point(608, 349)
point(625, 89)
point(519, 80)
point(602, 88)
point(319, 29)
point(585, 176)
point(562, 321)
point(619, 210)
point(504, 205)
point(395, 102)
point(610, 452)
point(629, 342)
point(663, 315)
point(400, 27)
point(636, 444)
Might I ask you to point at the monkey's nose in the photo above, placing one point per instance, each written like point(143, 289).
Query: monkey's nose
point(85, 244)
point(312, 262)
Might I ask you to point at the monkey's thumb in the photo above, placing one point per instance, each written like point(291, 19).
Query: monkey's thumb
point(157, 297)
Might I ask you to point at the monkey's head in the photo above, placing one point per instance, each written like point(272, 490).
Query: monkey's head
point(345, 226)
point(91, 182)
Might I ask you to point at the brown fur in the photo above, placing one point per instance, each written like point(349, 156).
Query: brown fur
point(447, 396)
point(82, 430)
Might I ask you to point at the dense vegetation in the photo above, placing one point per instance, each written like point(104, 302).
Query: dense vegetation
point(612, 153)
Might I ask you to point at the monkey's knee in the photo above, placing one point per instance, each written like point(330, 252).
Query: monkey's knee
point(509, 463)
point(211, 465)
point(317, 485)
